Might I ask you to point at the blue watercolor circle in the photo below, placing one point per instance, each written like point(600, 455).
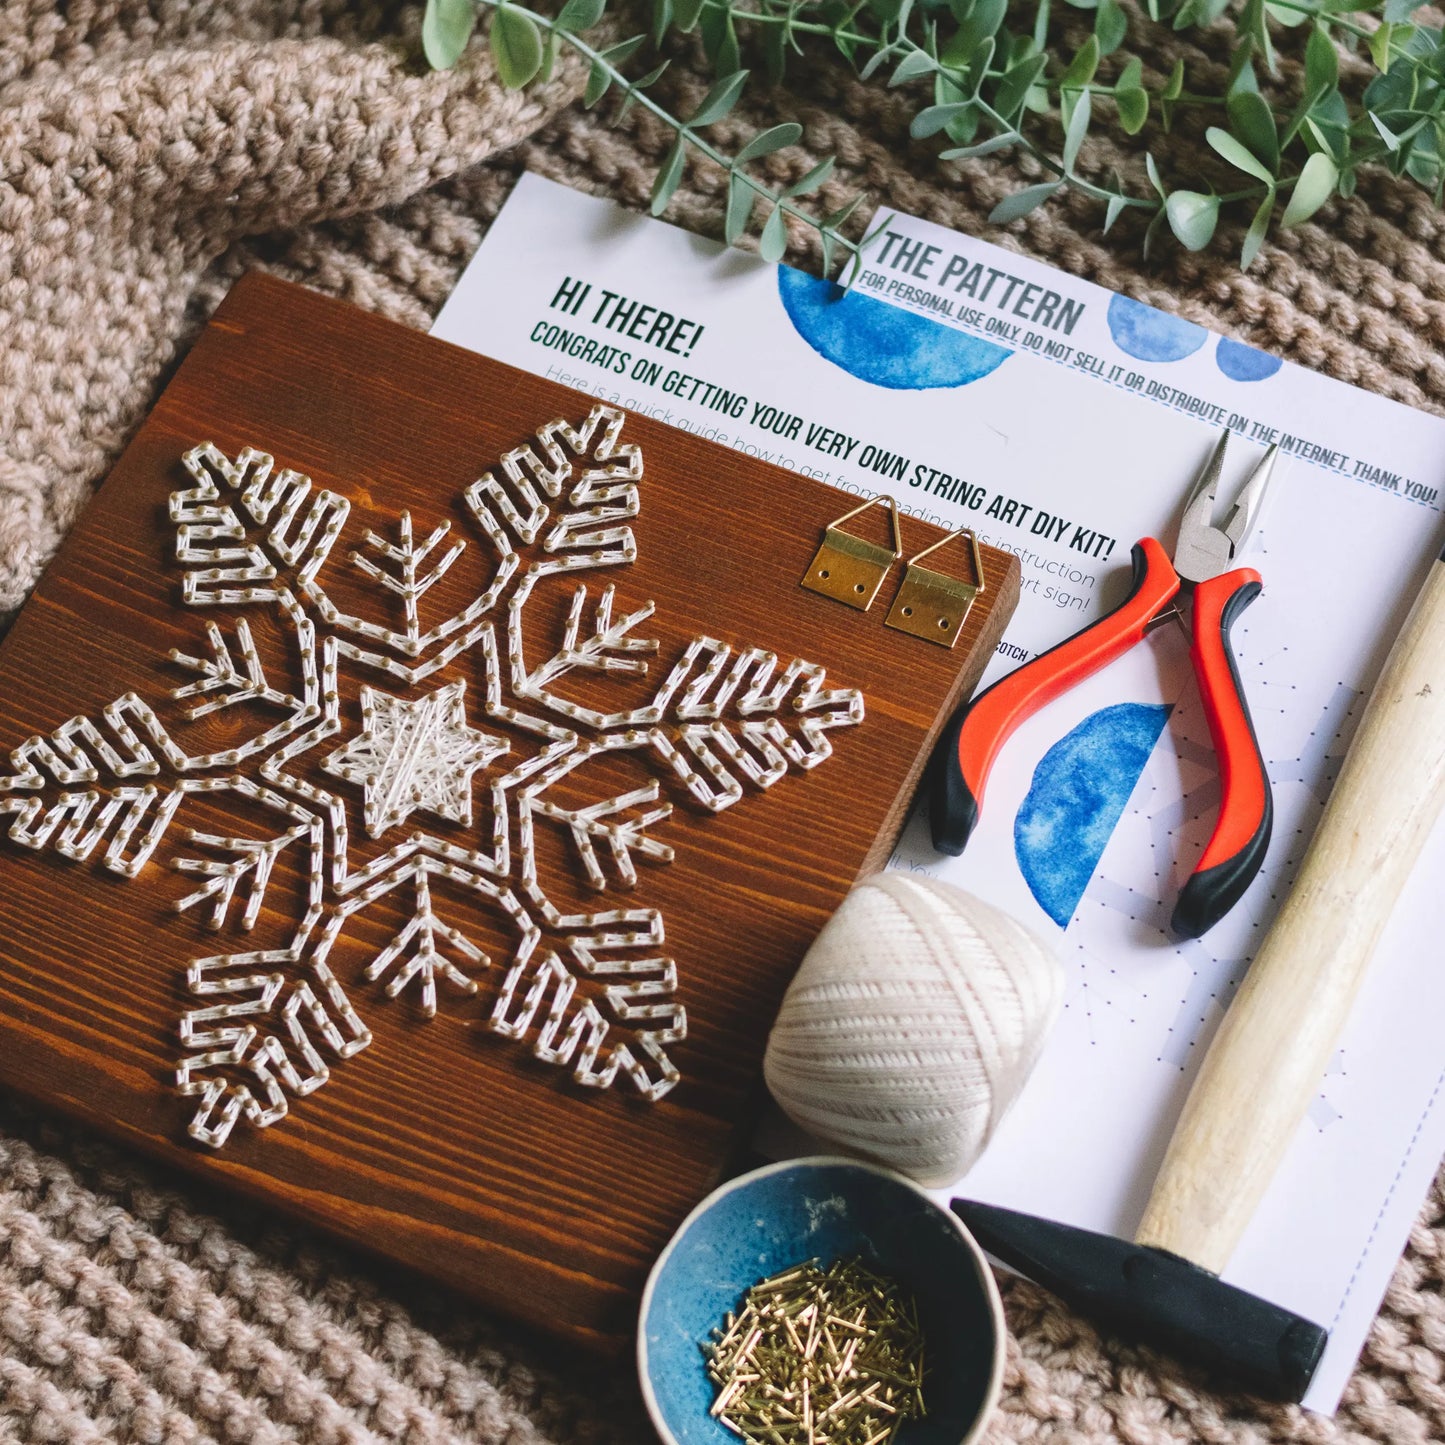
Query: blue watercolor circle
point(1243, 363)
point(1150, 335)
point(879, 343)
point(1076, 798)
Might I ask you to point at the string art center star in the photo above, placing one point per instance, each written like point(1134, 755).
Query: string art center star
point(417, 755)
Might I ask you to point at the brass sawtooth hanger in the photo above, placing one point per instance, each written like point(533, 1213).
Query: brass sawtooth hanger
point(933, 605)
point(848, 568)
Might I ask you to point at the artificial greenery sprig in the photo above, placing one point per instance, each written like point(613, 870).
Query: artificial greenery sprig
point(994, 85)
point(524, 46)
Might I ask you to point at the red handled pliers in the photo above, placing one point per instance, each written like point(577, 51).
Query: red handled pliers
point(970, 744)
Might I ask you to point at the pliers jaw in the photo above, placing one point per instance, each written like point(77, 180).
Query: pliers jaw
point(1206, 549)
point(1237, 847)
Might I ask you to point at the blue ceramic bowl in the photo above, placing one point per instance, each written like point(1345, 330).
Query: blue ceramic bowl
point(765, 1221)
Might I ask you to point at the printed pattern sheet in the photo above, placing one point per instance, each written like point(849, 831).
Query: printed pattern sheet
point(1062, 422)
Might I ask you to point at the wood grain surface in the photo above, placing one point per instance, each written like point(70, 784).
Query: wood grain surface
point(444, 1146)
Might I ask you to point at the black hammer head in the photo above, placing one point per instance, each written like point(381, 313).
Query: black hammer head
point(1157, 1298)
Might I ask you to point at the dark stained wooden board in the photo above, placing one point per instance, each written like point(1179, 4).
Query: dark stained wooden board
point(443, 1146)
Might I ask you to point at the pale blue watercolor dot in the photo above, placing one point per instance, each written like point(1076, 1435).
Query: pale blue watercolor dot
point(880, 343)
point(1150, 335)
point(1243, 363)
point(1076, 798)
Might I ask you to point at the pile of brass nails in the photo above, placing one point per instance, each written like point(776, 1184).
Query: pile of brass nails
point(819, 1357)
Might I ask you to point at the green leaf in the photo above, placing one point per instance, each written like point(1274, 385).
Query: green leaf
point(812, 180)
point(668, 177)
point(1111, 25)
point(1322, 61)
point(1022, 202)
point(1241, 69)
point(1192, 217)
point(741, 200)
point(1379, 44)
point(916, 63)
point(685, 14)
point(935, 117)
point(1396, 10)
point(836, 218)
point(775, 54)
point(1133, 108)
point(1254, 237)
point(1392, 141)
point(549, 55)
point(582, 14)
point(624, 50)
point(1258, 25)
point(1115, 209)
point(598, 79)
point(1082, 66)
point(1239, 156)
point(629, 95)
point(1041, 25)
point(661, 20)
point(964, 126)
point(1329, 122)
point(1078, 129)
point(1252, 121)
point(978, 67)
point(773, 243)
point(946, 92)
point(1395, 90)
point(875, 62)
point(770, 140)
point(1151, 231)
point(445, 29)
point(728, 60)
point(1423, 166)
point(1154, 176)
point(1012, 90)
point(958, 51)
point(982, 23)
point(1169, 96)
point(720, 99)
point(1313, 188)
point(712, 24)
point(983, 148)
point(516, 47)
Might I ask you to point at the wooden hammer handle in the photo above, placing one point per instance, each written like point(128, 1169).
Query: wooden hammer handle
point(1278, 1037)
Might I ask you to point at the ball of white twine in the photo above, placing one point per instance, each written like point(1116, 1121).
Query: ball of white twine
point(912, 1024)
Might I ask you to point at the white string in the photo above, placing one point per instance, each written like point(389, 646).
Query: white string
point(912, 1024)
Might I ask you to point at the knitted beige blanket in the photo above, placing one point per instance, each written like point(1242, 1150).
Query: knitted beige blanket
point(150, 153)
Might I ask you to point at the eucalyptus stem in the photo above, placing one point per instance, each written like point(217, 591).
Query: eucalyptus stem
point(598, 59)
point(1009, 76)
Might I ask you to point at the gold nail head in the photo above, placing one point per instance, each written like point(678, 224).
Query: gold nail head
point(818, 1356)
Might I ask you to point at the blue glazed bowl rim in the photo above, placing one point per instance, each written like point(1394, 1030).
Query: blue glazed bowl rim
point(830, 1161)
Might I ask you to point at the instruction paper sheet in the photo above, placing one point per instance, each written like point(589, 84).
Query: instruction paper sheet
point(1063, 422)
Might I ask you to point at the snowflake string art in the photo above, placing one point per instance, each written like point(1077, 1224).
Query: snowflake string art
point(451, 711)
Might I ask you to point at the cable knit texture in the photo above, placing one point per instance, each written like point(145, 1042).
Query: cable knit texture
point(149, 154)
